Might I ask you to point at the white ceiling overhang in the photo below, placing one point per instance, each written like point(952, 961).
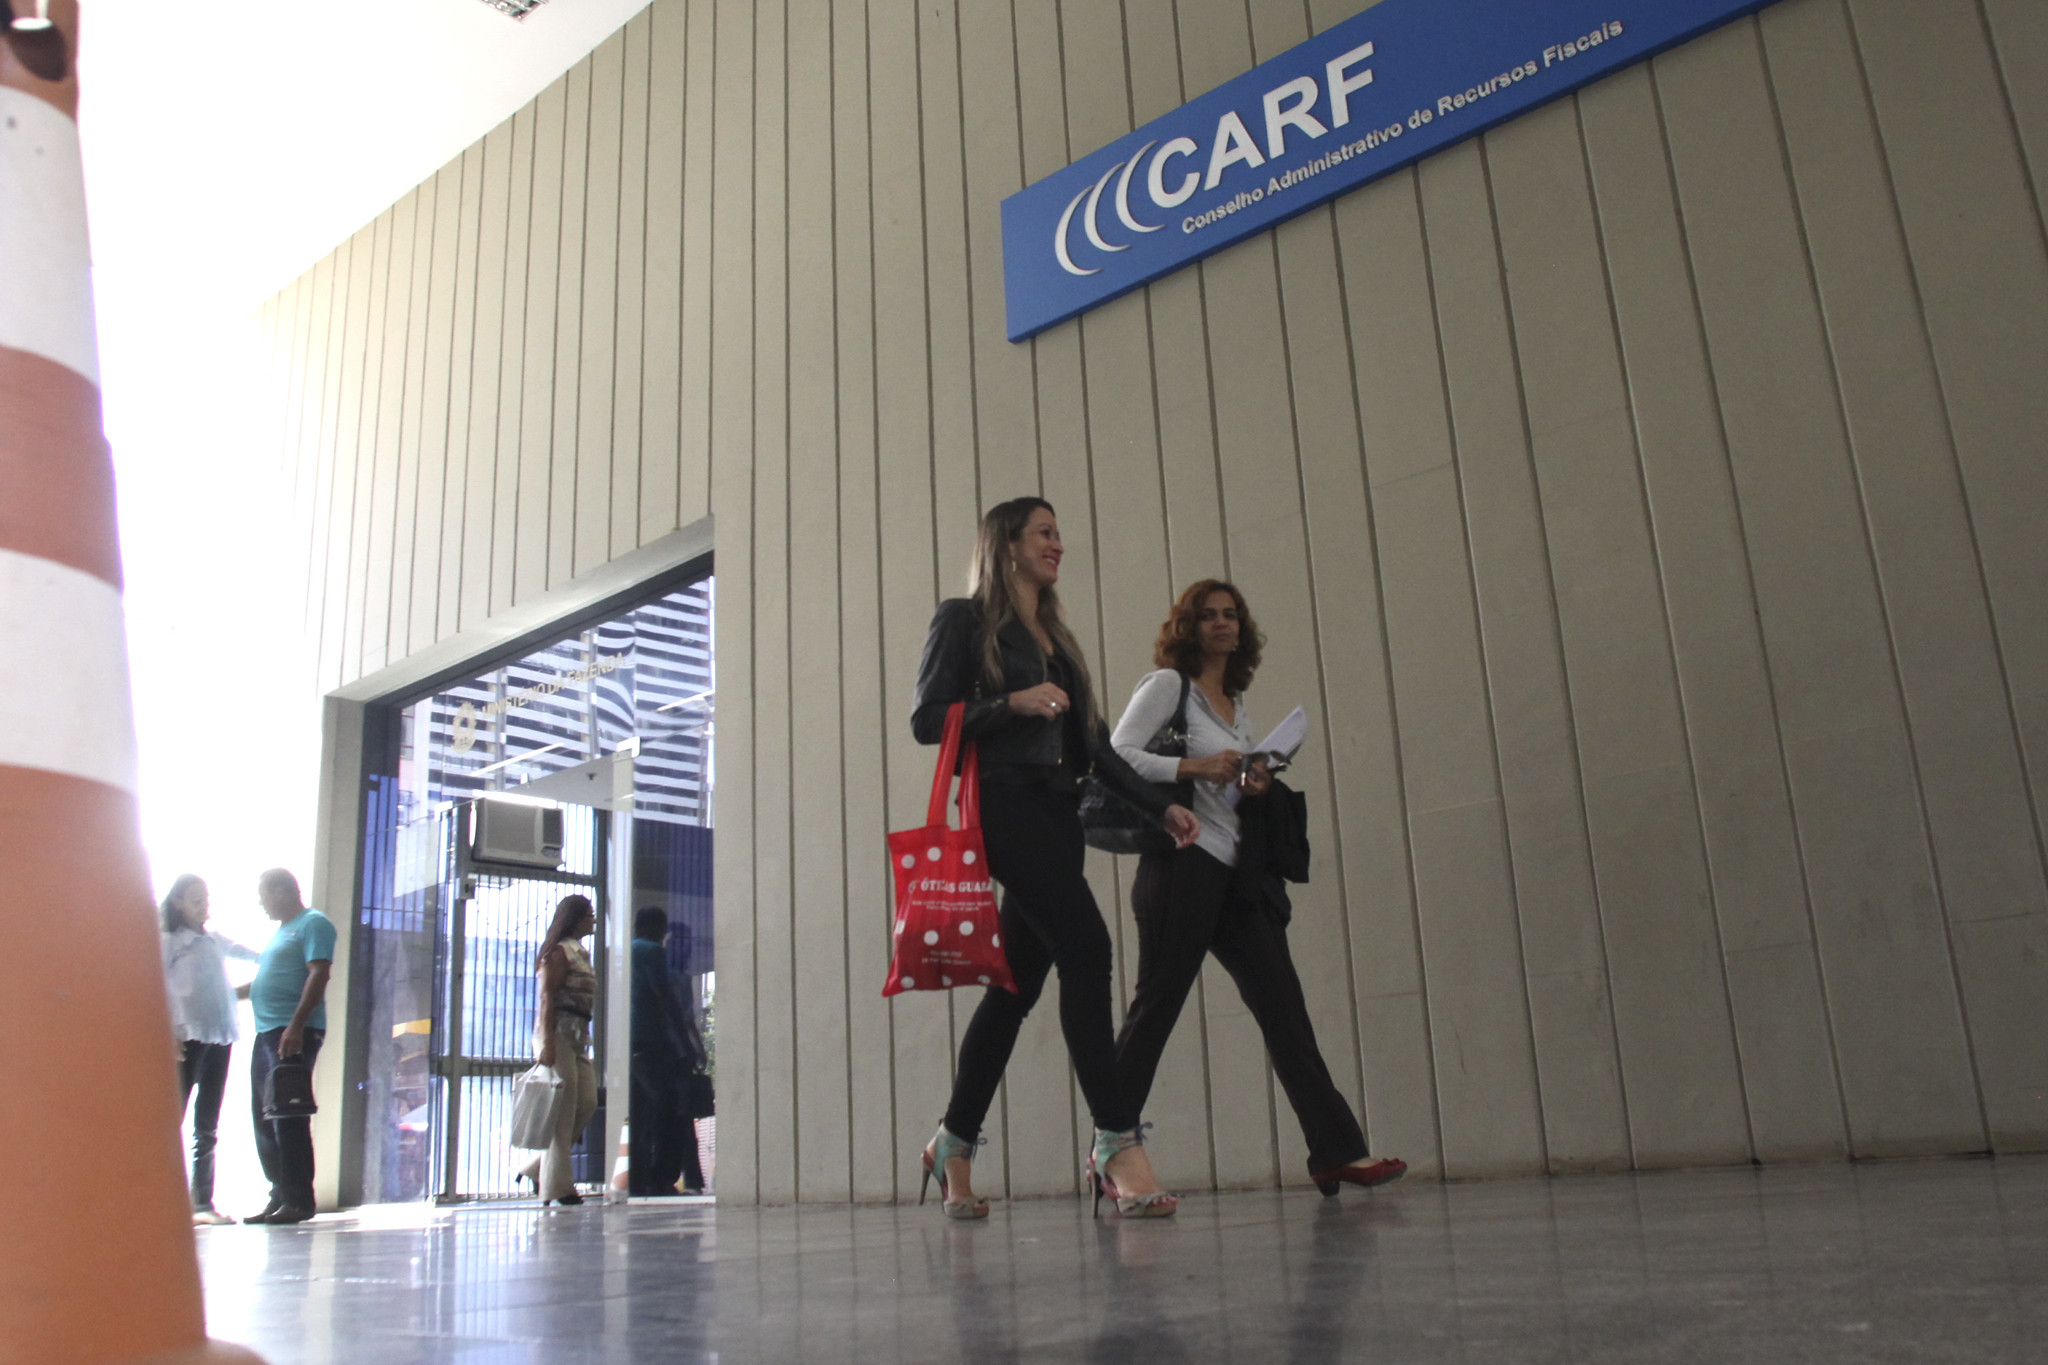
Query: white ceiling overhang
point(231, 144)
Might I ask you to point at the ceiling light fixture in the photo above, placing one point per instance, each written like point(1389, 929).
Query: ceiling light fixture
point(518, 9)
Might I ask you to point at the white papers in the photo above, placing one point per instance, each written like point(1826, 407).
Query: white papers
point(1281, 744)
point(1286, 737)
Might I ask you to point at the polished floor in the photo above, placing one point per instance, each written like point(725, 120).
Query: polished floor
point(1907, 1261)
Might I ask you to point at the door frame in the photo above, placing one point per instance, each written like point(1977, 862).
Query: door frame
point(359, 735)
point(447, 1062)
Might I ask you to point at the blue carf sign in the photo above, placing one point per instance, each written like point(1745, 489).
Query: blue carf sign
point(1372, 94)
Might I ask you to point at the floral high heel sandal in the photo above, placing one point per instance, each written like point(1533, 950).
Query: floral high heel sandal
point(1158, 1204)
point(945, 1147)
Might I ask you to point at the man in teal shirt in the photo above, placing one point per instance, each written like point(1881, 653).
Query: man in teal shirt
point(291, 1020)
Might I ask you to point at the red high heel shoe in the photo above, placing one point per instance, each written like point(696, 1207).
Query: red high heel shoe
point(1377, 1171)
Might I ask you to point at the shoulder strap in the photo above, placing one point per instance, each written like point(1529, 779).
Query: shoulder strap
point(942, 774)
point(1180, 713)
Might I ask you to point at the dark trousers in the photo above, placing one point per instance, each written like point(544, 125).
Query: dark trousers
point(662, 1148)
point(284, 1146)
point(682, 1164)
point(1050, 921)
point(204, 1066)
point(1184, 910)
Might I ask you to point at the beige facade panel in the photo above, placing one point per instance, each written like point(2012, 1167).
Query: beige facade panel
point(434, 434)
point(1724, 681)
point(2019, 32)
point(443, 570)
point(1643, 500)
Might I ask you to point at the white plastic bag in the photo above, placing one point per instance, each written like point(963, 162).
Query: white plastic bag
point(536, 1097)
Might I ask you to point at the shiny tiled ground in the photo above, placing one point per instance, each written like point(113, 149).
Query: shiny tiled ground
point(1914, 1261)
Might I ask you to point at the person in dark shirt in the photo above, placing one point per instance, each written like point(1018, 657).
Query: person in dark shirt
point(666, 1052)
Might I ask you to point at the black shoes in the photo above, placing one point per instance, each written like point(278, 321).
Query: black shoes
point(276, 1214)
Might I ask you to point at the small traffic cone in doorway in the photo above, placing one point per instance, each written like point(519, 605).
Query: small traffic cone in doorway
point(100, 1269)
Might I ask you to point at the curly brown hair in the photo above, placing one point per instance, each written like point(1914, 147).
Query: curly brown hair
point(1180, 644)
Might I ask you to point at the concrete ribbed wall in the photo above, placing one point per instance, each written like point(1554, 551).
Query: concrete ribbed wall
point(1645, 500)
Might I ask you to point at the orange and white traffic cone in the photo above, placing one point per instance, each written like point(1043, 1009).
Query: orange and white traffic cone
point(100, 1264)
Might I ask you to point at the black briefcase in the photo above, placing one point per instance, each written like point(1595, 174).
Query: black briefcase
point(288, 1093)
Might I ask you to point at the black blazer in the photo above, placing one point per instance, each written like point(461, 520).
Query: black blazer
point(1272, 849)
point(1027, 746)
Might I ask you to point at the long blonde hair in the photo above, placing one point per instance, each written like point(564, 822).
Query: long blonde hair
point(988, 583)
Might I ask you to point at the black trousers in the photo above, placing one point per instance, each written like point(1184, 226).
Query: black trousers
point(1050, 921)
point(662, 1148)
point(204, 1066)
point(1184, 910)
point(284, 1146)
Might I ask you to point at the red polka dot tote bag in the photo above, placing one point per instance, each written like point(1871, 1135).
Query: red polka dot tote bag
point(946, 930)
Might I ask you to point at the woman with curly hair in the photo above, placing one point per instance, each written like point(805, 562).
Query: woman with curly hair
point(1186, 901)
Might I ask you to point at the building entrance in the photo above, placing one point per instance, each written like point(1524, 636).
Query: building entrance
point(586, 765)
point(486, 984)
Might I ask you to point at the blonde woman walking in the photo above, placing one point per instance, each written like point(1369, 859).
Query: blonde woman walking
point(1005, 651)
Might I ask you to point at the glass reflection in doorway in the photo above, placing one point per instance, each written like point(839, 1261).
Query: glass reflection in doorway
point(642, 684)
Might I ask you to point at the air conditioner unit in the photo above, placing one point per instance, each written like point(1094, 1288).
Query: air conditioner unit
point(516, 832)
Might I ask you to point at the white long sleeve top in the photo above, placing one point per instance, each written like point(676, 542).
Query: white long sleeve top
point(1151, 706)
point(196, 979)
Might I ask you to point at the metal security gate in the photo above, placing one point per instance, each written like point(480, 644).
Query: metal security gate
point(485, 1002)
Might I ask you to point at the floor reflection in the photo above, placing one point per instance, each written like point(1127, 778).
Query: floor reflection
point(1941, 1260)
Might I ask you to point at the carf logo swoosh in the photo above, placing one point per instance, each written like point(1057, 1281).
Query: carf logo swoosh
point(1364, 98)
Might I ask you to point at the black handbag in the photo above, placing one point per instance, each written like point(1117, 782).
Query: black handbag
point(700, 1100)
point(1111, 822)
point(288, 1091)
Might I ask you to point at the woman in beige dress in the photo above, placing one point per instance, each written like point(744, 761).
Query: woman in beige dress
point(561, 1040)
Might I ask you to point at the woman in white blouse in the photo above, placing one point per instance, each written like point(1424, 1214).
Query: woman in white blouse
point(1183, 900)
point(202, 1022)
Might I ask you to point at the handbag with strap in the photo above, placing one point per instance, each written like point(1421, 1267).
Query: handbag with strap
point(1111, 822)
point(288, 1091)
point(946, 931)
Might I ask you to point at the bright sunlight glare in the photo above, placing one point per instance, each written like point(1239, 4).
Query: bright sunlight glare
point(227, 149)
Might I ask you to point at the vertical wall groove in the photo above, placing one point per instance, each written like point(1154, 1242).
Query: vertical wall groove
point(1886, 615)
point(1649, 517)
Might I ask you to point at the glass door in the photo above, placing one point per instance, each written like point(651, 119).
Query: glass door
point(616, 720)
point(488, 993)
